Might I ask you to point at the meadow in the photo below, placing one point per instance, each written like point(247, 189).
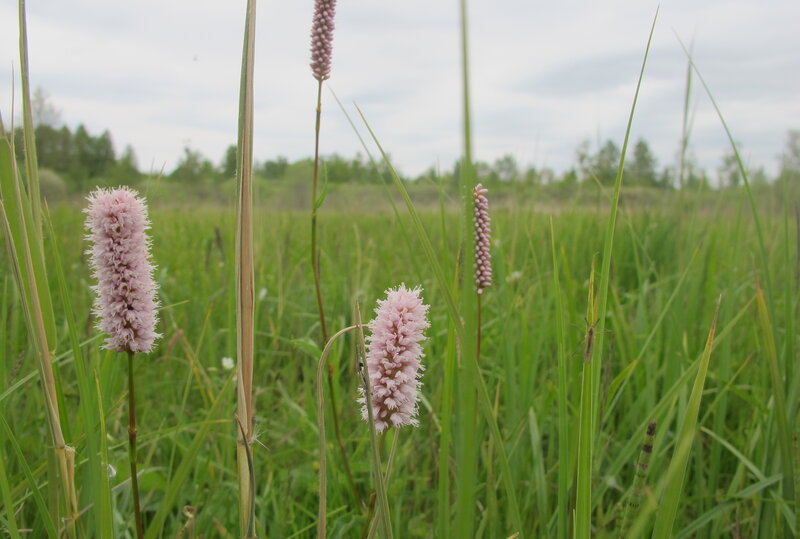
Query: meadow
point(670, 266)
point(629, 372)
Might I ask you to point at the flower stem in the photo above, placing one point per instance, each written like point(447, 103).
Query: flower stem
point(318, 289)
point(314, 206)
point(137, 510)
point(478, 330)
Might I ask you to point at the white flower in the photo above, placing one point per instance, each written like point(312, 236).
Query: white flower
point(227, 363)
point(513, 276)
point(262, 294)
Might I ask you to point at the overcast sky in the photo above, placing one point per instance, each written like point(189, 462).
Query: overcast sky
point(164, 74)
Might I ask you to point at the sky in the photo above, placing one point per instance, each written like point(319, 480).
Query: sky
point(163, 75)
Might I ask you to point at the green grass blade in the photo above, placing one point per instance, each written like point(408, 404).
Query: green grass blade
point(8, 500)
point(563, 399)
point(589, 398)
point(779, 394)
point(41, 505)
point(671, 497)
point(468, 429)
point(167, 505)
point(99, 495)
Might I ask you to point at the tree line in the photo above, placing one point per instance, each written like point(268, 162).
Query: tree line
point(76, 161)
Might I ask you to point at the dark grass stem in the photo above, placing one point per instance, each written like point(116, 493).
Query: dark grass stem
point(640, 477)
point(137, 509)
point(478, 329)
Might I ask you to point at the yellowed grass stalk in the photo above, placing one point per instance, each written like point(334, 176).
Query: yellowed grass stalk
point(245, 296)
point(23, 266)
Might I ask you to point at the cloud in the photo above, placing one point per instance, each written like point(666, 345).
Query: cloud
point(160, 75)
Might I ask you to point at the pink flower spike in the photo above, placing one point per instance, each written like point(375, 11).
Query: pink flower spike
point(483, 238)
point(125, 303)
point(322, 38)
point(393, 358)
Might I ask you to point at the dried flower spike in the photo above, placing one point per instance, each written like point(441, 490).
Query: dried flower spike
point(393, 357)
point(125, 303)
point(322, 38)
point(483, 255)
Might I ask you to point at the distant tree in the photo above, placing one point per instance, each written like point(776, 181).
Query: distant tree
point(601, 166)
point(758, 177)
point(569, 178)
point(193, 168)
point(666, 180)
point(531, 176)
point(54, 148)
point(43, 111)
point(606, 163)
point(642, 170)
point(274, 169)
point(126, 170)
point(545, 176)
point(506, 169)
point(584, 171)
point(728, 172)
point(336, 169)
point(790, 160)
point(81, 155)
point(484, 173)
point(102, 157)
point(227, 167)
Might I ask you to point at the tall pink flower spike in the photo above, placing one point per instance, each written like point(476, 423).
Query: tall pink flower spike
point(322, 38)
point(125, 303)
point(393, 358)
point(483, 238)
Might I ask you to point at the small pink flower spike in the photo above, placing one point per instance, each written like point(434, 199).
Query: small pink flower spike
point(393, 358)
point(322, 38)
point(125, 303)
point(483, 238)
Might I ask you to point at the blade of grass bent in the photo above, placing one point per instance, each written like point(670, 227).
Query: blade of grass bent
point(583, 507)
point(783, 420)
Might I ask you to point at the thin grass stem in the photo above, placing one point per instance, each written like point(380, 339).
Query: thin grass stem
point(137, 509)
point(323, 468)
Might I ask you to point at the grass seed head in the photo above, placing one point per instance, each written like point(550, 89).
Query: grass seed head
point(125, 301)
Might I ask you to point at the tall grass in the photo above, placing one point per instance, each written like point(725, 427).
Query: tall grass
point(539, 438)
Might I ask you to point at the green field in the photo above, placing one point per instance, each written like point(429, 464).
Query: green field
point(670, 266)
